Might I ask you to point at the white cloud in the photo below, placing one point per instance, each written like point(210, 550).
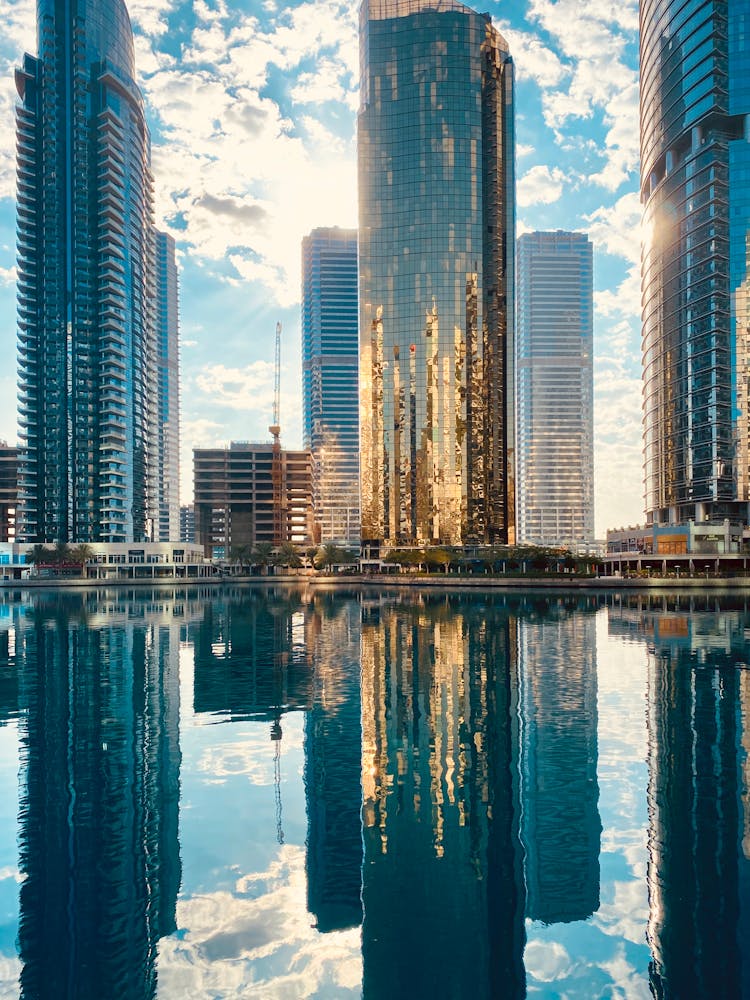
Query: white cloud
point(595, 40)
point(621, 142)
point(547, 961)
point(150, 16)
point(248, 388)
point(250, 758)
point(237, 178)
point(532, 60)
point(625, 300)
point(616, 228)
point(540, 186)
point(259, 941)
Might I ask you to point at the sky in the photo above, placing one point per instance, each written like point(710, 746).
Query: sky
point(252, 110)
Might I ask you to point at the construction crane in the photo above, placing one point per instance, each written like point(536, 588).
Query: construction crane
point(275, 431)
point(276, 735)
point(275, 428)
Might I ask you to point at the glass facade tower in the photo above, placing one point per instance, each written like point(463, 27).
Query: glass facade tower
point(555, 388)
point(436, 259)
point(330, 380)
point(167, 485)
point(695, 187)
point(86, 342)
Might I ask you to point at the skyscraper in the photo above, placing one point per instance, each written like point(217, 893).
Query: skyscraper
point(436, 249)
point(167, 485)
point(555, 388)
point(695, 161)
point(330, 379)
point(86, 348)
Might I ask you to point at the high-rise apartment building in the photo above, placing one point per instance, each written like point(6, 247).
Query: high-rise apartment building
point(167, 525)
point(436, 262)
point(330, 380)
point(86, 340)
point(695, 165)
point(555, 389)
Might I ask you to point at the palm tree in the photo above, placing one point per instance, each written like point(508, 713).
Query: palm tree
point(61, 553)
point(81, 554)
point(263, 555)
point(326, 556)
point(243, 555)
point(289, 556)
point(38, 554)
point(330, 554)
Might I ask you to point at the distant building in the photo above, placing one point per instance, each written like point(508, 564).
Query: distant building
point(187, 523)
point(8, 492)
point(167, 486)
point(555, 389)
point(695, 192)
point(240, 499)
point(436, 275)
point(85, 238)
point(330, 380)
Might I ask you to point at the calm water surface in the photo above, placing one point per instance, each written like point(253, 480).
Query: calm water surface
point(292, 794)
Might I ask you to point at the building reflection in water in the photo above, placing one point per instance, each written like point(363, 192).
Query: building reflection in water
point(261, 655)
point(698, 846)
point(333, 763)
point(442, 892)
point(560, 824)
point(434, 753)
point(100, 759)
point(252, 656)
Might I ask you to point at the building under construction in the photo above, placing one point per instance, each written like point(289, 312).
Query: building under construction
point(8, 492)
point(250, 493)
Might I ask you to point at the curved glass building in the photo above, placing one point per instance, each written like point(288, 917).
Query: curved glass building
point(436, 252)
point(86, 325)
point(695, 186)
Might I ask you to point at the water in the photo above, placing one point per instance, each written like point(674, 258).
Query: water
point(294, 794)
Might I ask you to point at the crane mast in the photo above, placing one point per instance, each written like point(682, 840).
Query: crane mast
point(275, 431)
point(275, 428)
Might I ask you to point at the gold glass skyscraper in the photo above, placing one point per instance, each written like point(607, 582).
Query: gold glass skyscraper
point(436, 246)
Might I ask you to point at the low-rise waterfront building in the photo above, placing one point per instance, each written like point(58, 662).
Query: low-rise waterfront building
point(108, 561)
point(692, 546)
point(247, 494)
